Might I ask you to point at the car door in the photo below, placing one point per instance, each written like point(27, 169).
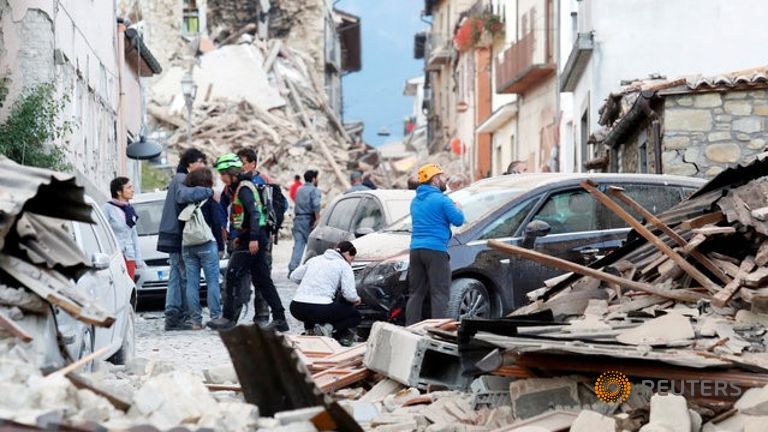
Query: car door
point(336, 227)
point(369, 218)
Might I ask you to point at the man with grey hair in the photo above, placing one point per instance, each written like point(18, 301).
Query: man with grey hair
point(356, 178)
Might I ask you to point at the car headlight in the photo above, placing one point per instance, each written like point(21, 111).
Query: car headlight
point(386, 269)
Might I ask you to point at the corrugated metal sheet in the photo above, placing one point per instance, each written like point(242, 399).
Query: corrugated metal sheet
point(39, 191)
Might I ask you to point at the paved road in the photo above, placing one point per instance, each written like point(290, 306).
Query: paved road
point(197, 350)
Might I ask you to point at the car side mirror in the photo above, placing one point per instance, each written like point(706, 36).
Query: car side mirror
point(99, 261)
point(533, 230)
point(363, 231)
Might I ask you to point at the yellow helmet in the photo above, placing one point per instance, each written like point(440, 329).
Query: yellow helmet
point(426, 172)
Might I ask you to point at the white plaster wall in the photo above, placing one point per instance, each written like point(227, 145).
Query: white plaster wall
point(634, 38)
point(501, 145)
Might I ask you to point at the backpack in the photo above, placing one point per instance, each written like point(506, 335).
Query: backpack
point(275, 205)
point(196, 230)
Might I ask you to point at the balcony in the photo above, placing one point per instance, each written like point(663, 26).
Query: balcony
point(524, 65)
point(439, 50)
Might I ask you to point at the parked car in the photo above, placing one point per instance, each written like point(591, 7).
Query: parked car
point(357, 214)
point(152, 280)
point(108, 285)
point(487, 283)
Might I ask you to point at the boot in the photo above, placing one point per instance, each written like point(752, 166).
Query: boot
point(220, 324)
point(280, 325)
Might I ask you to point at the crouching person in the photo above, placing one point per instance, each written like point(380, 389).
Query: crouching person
point(319, 280)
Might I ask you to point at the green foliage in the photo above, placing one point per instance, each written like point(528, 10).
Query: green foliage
point(153, 178)
point(32, 124)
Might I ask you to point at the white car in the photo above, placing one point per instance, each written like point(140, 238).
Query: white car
point(152, 280)
point(108, 285)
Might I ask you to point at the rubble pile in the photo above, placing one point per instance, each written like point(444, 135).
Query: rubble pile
point(263, 95)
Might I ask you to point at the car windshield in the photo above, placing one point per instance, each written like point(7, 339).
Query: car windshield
point(476, 202)
point(149, 217)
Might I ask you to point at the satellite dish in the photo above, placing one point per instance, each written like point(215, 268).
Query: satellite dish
point(143, 149)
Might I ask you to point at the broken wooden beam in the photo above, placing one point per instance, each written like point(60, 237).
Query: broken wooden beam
point(713, 230)
point(677, 238)
point(82, 361)
point(700, 221)
point(692, 271)
point(7, 324)
point(721, 298)
point(679, 294)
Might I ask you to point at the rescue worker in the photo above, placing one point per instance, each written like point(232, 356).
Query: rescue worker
point(429, 272)
point(356, 179)
point(247, 219)
point(306, 215)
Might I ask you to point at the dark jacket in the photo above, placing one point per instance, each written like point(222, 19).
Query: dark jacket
point(432, 214)
point(213, 220)
point(178, 196)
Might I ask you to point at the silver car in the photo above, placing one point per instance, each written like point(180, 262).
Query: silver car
point(152, 279)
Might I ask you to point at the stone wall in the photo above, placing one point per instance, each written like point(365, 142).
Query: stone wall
point(708, 132)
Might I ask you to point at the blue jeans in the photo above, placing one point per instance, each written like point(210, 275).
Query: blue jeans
point(175, 309)
point(205, 257)
point(300, 232)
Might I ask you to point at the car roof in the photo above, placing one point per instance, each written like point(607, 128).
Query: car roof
point(386, 194)
point(149, 197)
point(533, 181)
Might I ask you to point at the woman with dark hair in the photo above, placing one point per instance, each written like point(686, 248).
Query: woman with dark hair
point(122, 218)
point(204, 256)
point(319, 280)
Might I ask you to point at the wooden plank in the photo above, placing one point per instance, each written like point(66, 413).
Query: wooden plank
point(654, 264)
point(695, 242)
point(422, 326)
point(757, 279)
point(761, 259)
point(698, 276)
point(224, 387)
point(14, 329)
point(713, 230)
point(234, 37)
point(82, 362)
point(721, 298)
point(679, 294)
point(707, 219)
point(730, 268)
point(337, 378)
point(272, 56)
point(351, 353)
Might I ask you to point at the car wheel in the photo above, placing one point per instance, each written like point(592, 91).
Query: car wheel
point(469, 298)
point(127, 350)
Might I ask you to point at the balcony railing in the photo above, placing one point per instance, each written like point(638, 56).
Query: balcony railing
point(439, 48)
point(519, 70)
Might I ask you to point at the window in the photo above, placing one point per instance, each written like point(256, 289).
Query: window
point(654, 198)
point(342, 213)
point(507, 225)
point(585, 154)
point(88, 239)
point(368, 216)
point(104, 234)
point(149, 217)
point(571, 211)
point(191, 17)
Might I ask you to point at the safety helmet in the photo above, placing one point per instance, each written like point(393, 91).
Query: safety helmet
point(426, 172)
point(229, 160)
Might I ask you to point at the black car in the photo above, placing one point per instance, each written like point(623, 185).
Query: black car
point(569, 224)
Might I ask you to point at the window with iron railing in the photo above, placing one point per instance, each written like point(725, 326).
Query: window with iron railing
point(191, 17)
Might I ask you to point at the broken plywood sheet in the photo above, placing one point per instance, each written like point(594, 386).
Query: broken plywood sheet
point(314, 348)
point(672, 329)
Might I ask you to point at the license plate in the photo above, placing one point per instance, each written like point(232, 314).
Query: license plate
point(162, 275)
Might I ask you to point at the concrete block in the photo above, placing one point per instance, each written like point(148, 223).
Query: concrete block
point(670, 411)
point(670, 329)
point(490, 391)
point(696, 420)
point(413, 360)
point(224, 374)
point(590, 421)
point(753, 402)
point(534, 396)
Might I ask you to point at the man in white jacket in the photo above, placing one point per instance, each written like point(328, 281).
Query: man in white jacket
point(319, 280)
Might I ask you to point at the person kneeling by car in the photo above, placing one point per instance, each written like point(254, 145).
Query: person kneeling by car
point(319, 280)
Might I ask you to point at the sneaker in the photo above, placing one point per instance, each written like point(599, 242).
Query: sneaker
point(220, 324)
point(278, 325)
point(324, 330)
point(261, 320)
point(347, 338)
point(177, 326)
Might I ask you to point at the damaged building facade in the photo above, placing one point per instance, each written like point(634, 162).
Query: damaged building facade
point(692, 127)
point(84, 53)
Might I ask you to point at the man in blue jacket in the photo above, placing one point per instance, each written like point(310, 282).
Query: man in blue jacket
point(432, 214)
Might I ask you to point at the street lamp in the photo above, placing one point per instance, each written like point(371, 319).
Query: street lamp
point(189, 89)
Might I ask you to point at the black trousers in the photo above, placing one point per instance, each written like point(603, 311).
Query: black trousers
point(340, 314)
point(237, 293)
point(429, 272)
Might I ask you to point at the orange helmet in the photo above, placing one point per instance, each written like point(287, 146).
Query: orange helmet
point(426, 172)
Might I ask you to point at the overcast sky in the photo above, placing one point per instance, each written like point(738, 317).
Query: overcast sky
point(375, 94)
